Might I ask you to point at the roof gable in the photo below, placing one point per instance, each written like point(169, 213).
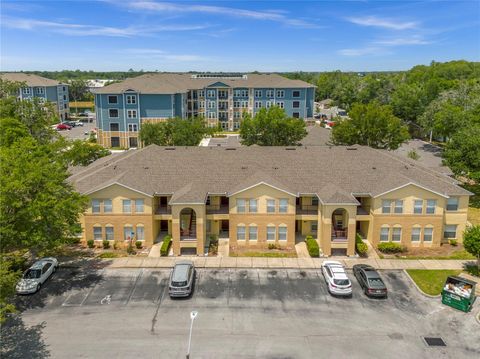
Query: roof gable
point(411, 184)
point(259, 184)
point(218, 84)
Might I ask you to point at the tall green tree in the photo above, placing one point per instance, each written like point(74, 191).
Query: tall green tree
point(174, 132)
point(372, 125)
point(462, 152)
point(78, 90)
point(81, 153)
point(271, 127)
point(471, 242)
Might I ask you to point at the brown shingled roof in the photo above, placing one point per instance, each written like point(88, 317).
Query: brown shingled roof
point(30, 79)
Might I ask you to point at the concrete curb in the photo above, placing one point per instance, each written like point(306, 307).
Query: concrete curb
point(418, 288)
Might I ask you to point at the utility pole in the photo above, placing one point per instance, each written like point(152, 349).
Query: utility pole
point(193, 315)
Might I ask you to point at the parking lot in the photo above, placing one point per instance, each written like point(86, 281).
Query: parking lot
point(243, 313)
point(78, 133)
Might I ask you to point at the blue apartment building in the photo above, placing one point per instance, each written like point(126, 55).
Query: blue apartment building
point(222, 99)
point(42, 88)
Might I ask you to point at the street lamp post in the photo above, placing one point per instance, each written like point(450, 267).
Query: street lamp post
point(193, 315)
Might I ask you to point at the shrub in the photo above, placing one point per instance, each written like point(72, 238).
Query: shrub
point(115, 245)
point(167, 241)
point(360, 246)
point(213, 246)
point(130, 249)
point(413, 155)
point(138, 244)
point(106, 244)
point(271, 246)
point(453, 242)
point(312, 246)
point(390, 247)
point(91, 243)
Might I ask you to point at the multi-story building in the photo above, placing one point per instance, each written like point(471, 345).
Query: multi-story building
point(42, 88)
point(257, 196)
point(222, 99)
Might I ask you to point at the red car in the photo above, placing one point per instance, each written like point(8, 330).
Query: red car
point(63, 126)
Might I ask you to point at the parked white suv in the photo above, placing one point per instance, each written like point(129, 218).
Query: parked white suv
point(336, 278)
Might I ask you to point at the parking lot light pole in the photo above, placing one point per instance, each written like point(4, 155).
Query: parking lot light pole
point(193, 315)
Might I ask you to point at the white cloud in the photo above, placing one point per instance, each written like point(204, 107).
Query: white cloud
point(384, 23)
point(415, 40)
point(163, 55)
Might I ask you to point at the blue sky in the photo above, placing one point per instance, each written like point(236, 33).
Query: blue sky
point(112, 35)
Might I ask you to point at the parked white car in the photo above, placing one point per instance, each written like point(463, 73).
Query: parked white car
point(336, 278)
point(36, 275)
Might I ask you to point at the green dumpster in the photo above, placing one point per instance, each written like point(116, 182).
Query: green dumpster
point(459, 293)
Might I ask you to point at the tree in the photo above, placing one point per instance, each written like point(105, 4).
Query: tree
point(82, 153)
point(78, 89)
point(8, 279)
point(471, 242)
point(462, 152)
point(408, 102)
point(271, 127)
point(174, 132)
point(372, 125)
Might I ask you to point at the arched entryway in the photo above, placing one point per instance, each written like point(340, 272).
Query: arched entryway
point(340, 225)
point(188, 224)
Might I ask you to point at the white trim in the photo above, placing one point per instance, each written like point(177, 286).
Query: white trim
point(112, 103)
point(119, 184)
point(259, 183)
point(413, 184)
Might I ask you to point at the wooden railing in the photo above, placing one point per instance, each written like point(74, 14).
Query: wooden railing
point(339, 235)
point(162, 209)
point(217, 209)
point(307, 209)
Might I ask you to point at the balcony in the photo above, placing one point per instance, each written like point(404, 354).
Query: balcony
point(162, 209)
point(217, 209)
point(307, 209)
point(339, 235)
point(363, 210)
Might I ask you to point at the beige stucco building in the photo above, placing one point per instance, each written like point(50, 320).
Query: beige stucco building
point(257, 196)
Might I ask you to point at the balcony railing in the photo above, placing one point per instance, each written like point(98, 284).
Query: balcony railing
point(307, 209)
point(339, 235)
point(363, 210)
point(163, 209)
point(217, 209)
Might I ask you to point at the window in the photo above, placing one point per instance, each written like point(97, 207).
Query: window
point(244, 93)
point(241, 233)
point(271, 233)
point(268, 104)
point(222, 93)
point(109, 233)
point(140, 233)
point(386, 206)
point(65, 106)
point(115, 141)
point(64, 89)
point(418, 206)
point(139, 205)
point(270, 206)
point(280, 93)
point(281, 104)
point(236, 125)
point(237, 114)
point(252, 206)
point(131, 113)
point(64, 97)
point(450, 231)
point(97, 233)
point(270, 93)
point(398, 206)
point(283, 205)
point(132, 142)
point(296, 104)
point(384, 234)
point(113, 113)
point(397, 234)
point(26, 90)
point(296, 94)
point(107, 206)
point(131, 99)
point(416, 234)
point(452, 204)
point(314, 201)
point(240, 206)
point(237, 93)
point(244, 104)
point(236, 104)
point(296, 115)
point(201, 93)
point(431, 204)
point(211, 104)
point(313, 226)
point(212, 115)
point(114, 127)
point(427, 234)
point(132, 127)
point(258, 93)
point(258, 104)
point(127, 206)
point(282, 233)
point(112, 99)
point(127, 233)
point(202, 104)
point(211, 93)
point(95, 206)
point(252, 233)
point(40, 90)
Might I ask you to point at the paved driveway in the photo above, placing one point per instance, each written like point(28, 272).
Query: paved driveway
point(243, 313)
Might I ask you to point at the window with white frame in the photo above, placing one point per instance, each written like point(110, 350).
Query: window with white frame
point(418, 206)
point(112, 99)
point(113, 113)
point(241, 205)
point(258, 104)
point(450, 231)
point(416, 234)
point(222, 93)
point(258, 93)
point(95, 206)
point(127, 233)
point(244, 104)
point(283, 205)
point(40, 90)
point(26, 90)
point(252, 205)
point(398, 208)
point(384, 234)
point(107, 206)
point(270, 93)
point(296, 93)
point(244, 93)
point(132, 127)
point(114, 127)
point(140, 233)
point(282, 233)
point(386, 206)
point(296, 114)
point(281, 104)
point(236, 104)
point(313, 226)
point(431, 204)
point(237, 93)
point(268, 104)
point(212, 115)
point(271, 233)
point(64, 97)
point(452, 204)
point(131, 99)
point(270, 206)
point(201, 104)
point(236, 125)
point(237, 114)
point(396, 234)
point(97, 233)
point(427, 234)
point(201, 93)
point(211, 93)
point(211, 104)
point(126, 206)
point(109, 234)
point(280, 93)
point(131, 113)
point(139, 205)
point(252, 233)
point(240, 233)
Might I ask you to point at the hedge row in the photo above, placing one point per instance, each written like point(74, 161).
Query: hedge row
point(312, 246)
point(360, 246)
point(390, 247)
point(167, 242)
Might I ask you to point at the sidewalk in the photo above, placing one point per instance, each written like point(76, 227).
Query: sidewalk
point(295, 263)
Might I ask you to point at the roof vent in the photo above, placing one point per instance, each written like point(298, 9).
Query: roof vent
point(374, 168)
point(230, 149)
point(244, 167)
point(434, 342)
point(290, 148)
point(351, 148)
point(169, 148)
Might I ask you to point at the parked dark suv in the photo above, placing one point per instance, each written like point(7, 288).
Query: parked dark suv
point(370, 280)
point(181, 279)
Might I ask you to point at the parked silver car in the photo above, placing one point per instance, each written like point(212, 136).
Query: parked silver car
point(181, 279)
point(36, 275)
point(336, 278)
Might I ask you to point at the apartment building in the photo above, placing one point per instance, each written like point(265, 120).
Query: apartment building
point(42, 88)
point(260, 195)
point(222, 99)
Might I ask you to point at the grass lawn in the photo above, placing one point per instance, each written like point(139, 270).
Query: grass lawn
point(112, 255)
point(265, 254)
point(474, 215)
point(431, 281)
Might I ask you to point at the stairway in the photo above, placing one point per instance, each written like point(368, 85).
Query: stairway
point(193, 226)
